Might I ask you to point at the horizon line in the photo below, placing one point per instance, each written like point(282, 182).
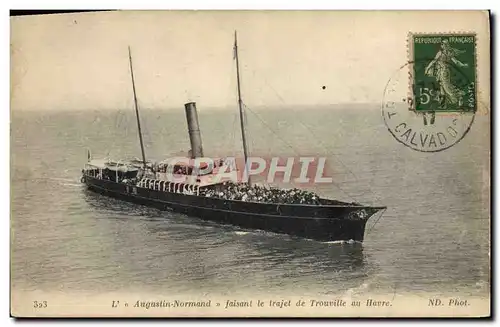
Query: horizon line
point(202, 109)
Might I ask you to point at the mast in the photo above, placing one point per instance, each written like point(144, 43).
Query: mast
point(240, 105)
point(137, 111)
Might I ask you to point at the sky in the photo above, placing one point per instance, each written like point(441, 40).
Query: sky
point(302, 58)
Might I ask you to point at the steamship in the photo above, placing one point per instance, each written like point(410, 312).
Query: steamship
point(153, 184)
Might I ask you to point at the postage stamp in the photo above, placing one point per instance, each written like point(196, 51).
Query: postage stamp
point(443, 72)
point(439, 104)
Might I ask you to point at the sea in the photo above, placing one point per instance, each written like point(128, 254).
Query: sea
point(434, 238)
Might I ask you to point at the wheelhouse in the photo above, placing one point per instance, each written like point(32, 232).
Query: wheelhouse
point(112, 171)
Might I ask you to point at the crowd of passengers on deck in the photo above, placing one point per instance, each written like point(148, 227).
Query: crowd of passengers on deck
point(229, 191)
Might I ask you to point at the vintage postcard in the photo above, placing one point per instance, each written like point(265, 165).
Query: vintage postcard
point(250, 164)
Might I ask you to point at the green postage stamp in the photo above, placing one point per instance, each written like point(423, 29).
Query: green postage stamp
point(443, 72)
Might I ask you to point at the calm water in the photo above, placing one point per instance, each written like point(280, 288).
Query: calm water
point(433, 238)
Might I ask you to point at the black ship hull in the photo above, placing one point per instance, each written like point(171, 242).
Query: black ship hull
point(317, 222)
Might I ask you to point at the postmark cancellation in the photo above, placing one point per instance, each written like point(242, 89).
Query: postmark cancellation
point(431, 100)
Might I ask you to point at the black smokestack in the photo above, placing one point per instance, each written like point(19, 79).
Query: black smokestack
point(194, 130)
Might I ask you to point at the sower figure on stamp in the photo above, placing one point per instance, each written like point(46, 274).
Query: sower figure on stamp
point(440, 68)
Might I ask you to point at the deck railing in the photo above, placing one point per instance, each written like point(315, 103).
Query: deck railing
point(166, 186)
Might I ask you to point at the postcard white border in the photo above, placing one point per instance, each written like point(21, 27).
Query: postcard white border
point(185, 4)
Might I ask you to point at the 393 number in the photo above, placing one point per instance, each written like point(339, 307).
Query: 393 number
point(39, 304)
